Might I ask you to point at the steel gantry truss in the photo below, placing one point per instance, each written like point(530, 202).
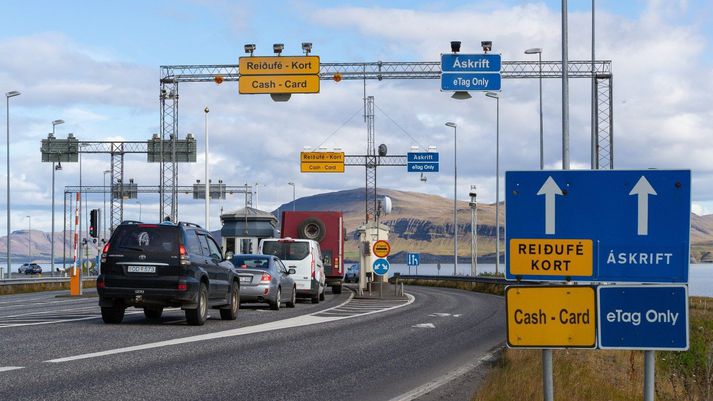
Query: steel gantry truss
point(171, 75)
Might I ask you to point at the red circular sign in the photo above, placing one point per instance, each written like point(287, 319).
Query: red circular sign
point(381, 248)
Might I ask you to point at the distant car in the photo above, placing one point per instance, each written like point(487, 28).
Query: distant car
point(265, 279)
point(352, 275)
point(30, 268)
point(153, 266)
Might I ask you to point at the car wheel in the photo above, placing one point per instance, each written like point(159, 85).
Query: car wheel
point(198, 316)
point(293, 299)
point(231, 313)
point(315, 298)
point(337, 289)
point(153, 313)
point(112, 314)
point(278, 299)
point(321, 294)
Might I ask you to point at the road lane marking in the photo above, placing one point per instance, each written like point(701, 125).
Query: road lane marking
point(49, 302)
point(438, 382)
point(9, 368)
point(424, 326)
point(299, 321)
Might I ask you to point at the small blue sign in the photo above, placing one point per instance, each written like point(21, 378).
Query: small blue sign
point(422, 167)
point(470, 81)
point(470, 62)
point(643, 317)
point(422, 157)
point(413, 259)
point(381, 266)
point(638, 221)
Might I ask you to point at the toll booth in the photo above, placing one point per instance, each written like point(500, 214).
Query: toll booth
point(369, 233)
point(244, 228)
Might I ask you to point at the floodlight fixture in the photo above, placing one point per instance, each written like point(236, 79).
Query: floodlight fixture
point(455, 46)
point(278, 48)
point(461, 95)
point(307, 47)
point(487, 45)
point(250, 48)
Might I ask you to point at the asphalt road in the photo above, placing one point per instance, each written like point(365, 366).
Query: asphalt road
point(54, 348)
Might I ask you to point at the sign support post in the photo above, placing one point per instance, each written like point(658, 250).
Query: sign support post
point(649, 374)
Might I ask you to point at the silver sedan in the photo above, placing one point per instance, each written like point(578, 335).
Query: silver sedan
point(265, 279)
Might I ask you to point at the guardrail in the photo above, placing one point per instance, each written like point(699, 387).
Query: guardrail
point(41, 280)
point(465, 279)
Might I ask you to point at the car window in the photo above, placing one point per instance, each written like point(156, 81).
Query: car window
point(250, 262)
point(147, 238)
point(286, 250)
point(204, 244)
point(214, 248)
point(280, 266)
point(193, 245)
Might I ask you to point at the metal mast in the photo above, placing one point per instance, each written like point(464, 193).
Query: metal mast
point(371, 161)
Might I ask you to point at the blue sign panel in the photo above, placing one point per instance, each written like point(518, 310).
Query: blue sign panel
point(422, 157)
point(414, 259)
point(643, 317)
point(381, 266)
point(422, 167)
point(637, 220)
point(470, 62)
point(470, 81)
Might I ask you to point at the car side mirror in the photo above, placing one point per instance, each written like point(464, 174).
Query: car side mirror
point(228, 255)
point(292, 271)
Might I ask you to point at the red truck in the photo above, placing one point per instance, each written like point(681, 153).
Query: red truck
point(327, 228)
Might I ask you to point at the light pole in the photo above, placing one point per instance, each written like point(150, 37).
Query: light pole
point(29, 239)
point(455, 195)
point(54, 168)
point(139, 202)
point(497, 180)
point(8, 95)
point(207, 183)
point(473, 231)
point(538, 51)
point(104, 210)
point(256, 196)
point(293, 194)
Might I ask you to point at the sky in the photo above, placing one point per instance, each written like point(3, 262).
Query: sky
point(96, 65)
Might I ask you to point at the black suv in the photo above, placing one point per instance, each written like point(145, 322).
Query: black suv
point(152, 266)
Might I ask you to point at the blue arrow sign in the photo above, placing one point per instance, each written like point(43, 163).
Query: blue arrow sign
point(470, 62)
point(643, 317)
point(637, 221)
point(413, 259)
point(381, 266)
point(470, 81)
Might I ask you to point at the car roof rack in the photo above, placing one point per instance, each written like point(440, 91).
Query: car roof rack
point(132, 222)
point(189, 224)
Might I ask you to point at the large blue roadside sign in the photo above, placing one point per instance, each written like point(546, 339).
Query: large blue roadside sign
point(609, 225)
point(470, 72)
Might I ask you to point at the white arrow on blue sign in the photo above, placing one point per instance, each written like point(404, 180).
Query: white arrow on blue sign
point(414, 259)
point(381, 266)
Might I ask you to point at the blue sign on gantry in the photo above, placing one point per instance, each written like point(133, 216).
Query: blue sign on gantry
point(470, 72)
point(633, 225)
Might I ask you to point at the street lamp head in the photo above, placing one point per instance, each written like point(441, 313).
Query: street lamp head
point(450, 124)
point(534, 50)
point(492, 94)
point(58, 166)
point(461, 95)
point(12, 94)
point(291, 183)
point(206, 110)
point(57, 122)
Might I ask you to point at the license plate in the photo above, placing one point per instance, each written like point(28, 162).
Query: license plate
point(141, 269)
point(246, 279)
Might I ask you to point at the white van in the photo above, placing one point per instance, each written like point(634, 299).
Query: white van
point(305, 257)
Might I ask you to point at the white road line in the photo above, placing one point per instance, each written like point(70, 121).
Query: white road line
point(9, 368)
point(438, 382)
point(50, 312)
point(298, 321)
point(50, 302)
point(6, 325)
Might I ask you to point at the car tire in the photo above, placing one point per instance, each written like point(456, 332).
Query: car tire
point(337, 289)
point(153, 313)
point(312, 228)
point(278, 299)
point(112, 314)
point(321, 294)
point(293, 300)
point(315, 298)
point(231, 312)
point(198, 316)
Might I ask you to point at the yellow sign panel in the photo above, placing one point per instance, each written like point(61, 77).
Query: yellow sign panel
point(278, 84)
point(322, 167)
point(278, 65)
point(551, 257)
point(322, 157)
point(551, 317)
point(381, 248)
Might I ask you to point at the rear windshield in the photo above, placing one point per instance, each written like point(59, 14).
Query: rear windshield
point(146, 238)
point(250, 262)
point(286, 250)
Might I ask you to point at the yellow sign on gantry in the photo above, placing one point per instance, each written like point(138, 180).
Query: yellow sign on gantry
point(322, 162)
point(551, 257)
point(279, 65)
point(253, 84)
point(551, 317)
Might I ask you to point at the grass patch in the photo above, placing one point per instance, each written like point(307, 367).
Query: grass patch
point(609, 375)
point(496, 289)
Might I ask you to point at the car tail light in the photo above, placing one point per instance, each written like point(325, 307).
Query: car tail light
point(266, 277)
point(184, 260)
point(104, 252)
point(312, 265)
point(100, 284)
point(182, 286)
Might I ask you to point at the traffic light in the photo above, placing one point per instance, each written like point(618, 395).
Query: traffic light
point(93, 222)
